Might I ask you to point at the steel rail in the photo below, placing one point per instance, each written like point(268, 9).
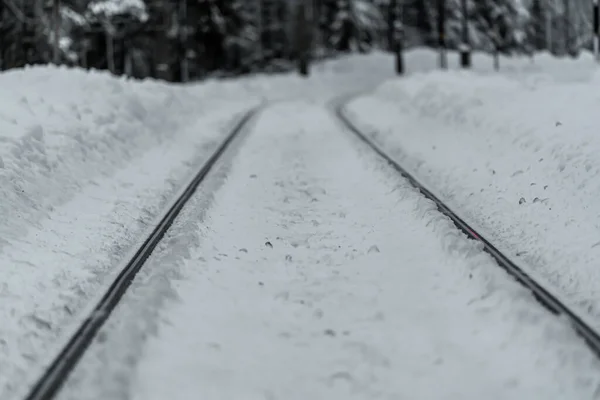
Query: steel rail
point(58, 371)
point(542, 295)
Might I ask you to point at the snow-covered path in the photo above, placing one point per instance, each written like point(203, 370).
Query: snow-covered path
point(317, 273)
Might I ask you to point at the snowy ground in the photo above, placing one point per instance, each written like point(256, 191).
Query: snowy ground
point(517, 158)
point(87, 162)
point(317, 273)
point(84, 172)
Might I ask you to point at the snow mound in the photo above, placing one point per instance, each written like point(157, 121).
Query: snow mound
point(62, 128)
point(517, 157)
point(87, 164)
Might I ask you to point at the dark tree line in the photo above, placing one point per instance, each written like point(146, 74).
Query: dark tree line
point(190, 39)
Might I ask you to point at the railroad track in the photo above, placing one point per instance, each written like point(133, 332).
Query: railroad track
point(59, 369)
point(542, 295)
point(57, 372)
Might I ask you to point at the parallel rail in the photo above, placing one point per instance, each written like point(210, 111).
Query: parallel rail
point(58, 371)
point(56, 374)
point(542, 295)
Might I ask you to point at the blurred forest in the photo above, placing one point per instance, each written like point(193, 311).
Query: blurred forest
point(180, 40)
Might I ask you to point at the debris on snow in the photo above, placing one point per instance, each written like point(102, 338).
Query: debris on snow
point(373, 249)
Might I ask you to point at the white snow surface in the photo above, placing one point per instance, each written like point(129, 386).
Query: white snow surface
point(87, 162)
point(316, 272)
point(516, 155)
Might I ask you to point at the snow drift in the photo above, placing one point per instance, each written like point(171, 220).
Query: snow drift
point(87, 161)
point(516, 156)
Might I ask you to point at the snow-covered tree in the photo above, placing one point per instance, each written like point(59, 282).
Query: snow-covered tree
point(170, 39)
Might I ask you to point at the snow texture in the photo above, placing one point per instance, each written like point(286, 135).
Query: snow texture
point(87, 163)
point(516, 156)
point(316, 272)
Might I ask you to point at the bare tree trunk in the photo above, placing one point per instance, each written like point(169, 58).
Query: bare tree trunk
point(183, 25)
point(596, 27)
point(127, 58)
point(83, 58)
point(302, 38)
point(2, 42)
point(110, 52)
point(316, 11)
point(496, 47)
point(549, 45)
point(161, 48)
point(392, 25)
point(398, 27)
point(465, 46)
point(567, 26)
point(442, 33)
point(260, 29)
point(56, 26)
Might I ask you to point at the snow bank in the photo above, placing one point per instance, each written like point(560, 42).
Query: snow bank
point(88, 162)
point(61, 128)
point(421, 60)
point(517, 157)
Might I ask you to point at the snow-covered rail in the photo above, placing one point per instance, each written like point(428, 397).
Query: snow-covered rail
point(545, 297)
point(57, 372)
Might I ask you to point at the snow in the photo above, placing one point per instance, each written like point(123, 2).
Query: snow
point(73, 16)
point(111, 8)
point(516, 156)
point(88, 161)
point(316, 272)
